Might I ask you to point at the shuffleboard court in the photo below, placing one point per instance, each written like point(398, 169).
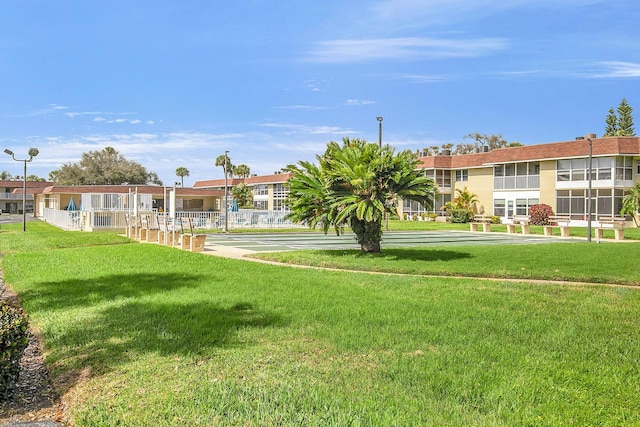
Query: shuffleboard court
point(264, 242)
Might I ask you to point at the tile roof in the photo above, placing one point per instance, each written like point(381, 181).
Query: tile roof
point(609, 146)
point(275, 178)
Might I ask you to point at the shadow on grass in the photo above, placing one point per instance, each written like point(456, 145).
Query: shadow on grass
point(399, 254)
point(82, 292)
point(117, 335)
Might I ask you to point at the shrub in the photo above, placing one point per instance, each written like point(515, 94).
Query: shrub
point(459, 216)
point(496, 220)
point(540, 214)
point(13, 340)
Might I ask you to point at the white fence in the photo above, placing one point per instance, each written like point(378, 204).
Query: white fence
point(94, 220)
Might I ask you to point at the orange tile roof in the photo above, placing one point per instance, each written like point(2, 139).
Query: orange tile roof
point(609, 146)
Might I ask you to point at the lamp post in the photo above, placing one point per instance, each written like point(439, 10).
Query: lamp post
point(226, 193)
point(379, 131)
point(33, 152)
point(589, 137)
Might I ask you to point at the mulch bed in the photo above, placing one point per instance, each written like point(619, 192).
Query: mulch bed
point(34, 398)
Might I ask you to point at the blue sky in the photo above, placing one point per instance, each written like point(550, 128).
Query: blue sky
point(176, 83)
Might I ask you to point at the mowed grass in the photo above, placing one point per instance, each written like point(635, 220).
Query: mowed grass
point(140, 335)
point(580, 261)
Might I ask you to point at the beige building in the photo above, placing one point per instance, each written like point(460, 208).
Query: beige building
point(508, 181)
point(269, 191)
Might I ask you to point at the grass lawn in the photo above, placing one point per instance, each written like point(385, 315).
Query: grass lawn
point(139, 335)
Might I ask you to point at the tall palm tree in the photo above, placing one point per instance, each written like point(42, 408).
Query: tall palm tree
point(631, 203)
point(182, 172)
point(354, 185)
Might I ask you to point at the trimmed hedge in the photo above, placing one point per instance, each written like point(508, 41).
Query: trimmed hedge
point(540, 214)
point(14, 338)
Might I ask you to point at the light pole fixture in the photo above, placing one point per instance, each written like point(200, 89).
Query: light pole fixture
point(379, 131)
point(226, 192)
point(33, 152)
point(589, 137)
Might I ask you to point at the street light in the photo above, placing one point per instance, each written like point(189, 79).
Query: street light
point(589, 137)
point(379, 131)
point(33, 152)
point(226, 203)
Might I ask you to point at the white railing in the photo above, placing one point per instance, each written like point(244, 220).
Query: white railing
point(120, 219)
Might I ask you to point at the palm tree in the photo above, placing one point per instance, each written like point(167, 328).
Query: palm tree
point(631, 203)
point(182, 172)
point(224, 161)
point(241, 171)
point(354, 185)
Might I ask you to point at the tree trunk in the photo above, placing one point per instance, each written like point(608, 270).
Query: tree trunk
point(368, 235)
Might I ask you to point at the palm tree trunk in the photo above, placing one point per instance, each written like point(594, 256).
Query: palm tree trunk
point(368, 235)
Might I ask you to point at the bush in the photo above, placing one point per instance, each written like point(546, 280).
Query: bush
point(540, 214)
point(460, 216)
point(496, 220)
point(13, 340)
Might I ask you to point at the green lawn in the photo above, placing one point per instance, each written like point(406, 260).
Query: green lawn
point(140, 335)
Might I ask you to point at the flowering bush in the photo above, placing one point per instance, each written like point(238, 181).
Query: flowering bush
point(540, 214)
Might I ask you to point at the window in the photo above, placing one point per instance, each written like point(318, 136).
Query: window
point(624, 168)
point(462, 175)
point(638, 167)
point(498, 207)
point(192, 205)
point(604, 202)
point(441, 177)
point(280, 191)
point(516, 176)
point(261, 204)
point(260, 190)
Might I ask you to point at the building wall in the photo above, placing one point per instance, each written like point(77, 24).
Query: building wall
point(481, 184)
point(548, 183)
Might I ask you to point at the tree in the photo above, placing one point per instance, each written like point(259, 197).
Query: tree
point(243, 195)
point(462, 207)
point(182, 172)
point(622, 123)
point(224, 161)
point(4, 175)
point(106, 167)
point(355, 184)
point(35, 178)
point(481, 140)
point(625, 119)
point(611, 123)
point(631, 203)
point(241, 171)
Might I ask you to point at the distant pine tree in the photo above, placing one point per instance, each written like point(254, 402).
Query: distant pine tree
point(625, 119)
point(611, 128)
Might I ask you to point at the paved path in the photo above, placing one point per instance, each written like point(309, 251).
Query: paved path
point(236, 245)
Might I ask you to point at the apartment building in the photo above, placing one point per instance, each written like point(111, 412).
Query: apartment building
point(508, 181)
point(269, 191)
point(11, 195)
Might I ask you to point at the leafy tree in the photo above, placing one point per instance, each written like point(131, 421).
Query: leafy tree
point(4, 175)
point(243, 195)
point(480, 140)
point(355, 184)
point(631, 203)
point(241, 171)
point(106, 167)
point(182, 172)
point(224, 162)
point(611, 123)
point(625, 119)
point(35, 178)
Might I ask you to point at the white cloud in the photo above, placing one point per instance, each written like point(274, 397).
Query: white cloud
point(359, 102)
point(403, 48)
point(135, 121)
point(618, 69)
point(99, 119)
point(423, 78)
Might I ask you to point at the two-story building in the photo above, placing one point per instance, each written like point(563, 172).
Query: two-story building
point(508, 181)
point(11, 195)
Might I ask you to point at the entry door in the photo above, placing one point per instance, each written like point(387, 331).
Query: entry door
point(510, 208)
